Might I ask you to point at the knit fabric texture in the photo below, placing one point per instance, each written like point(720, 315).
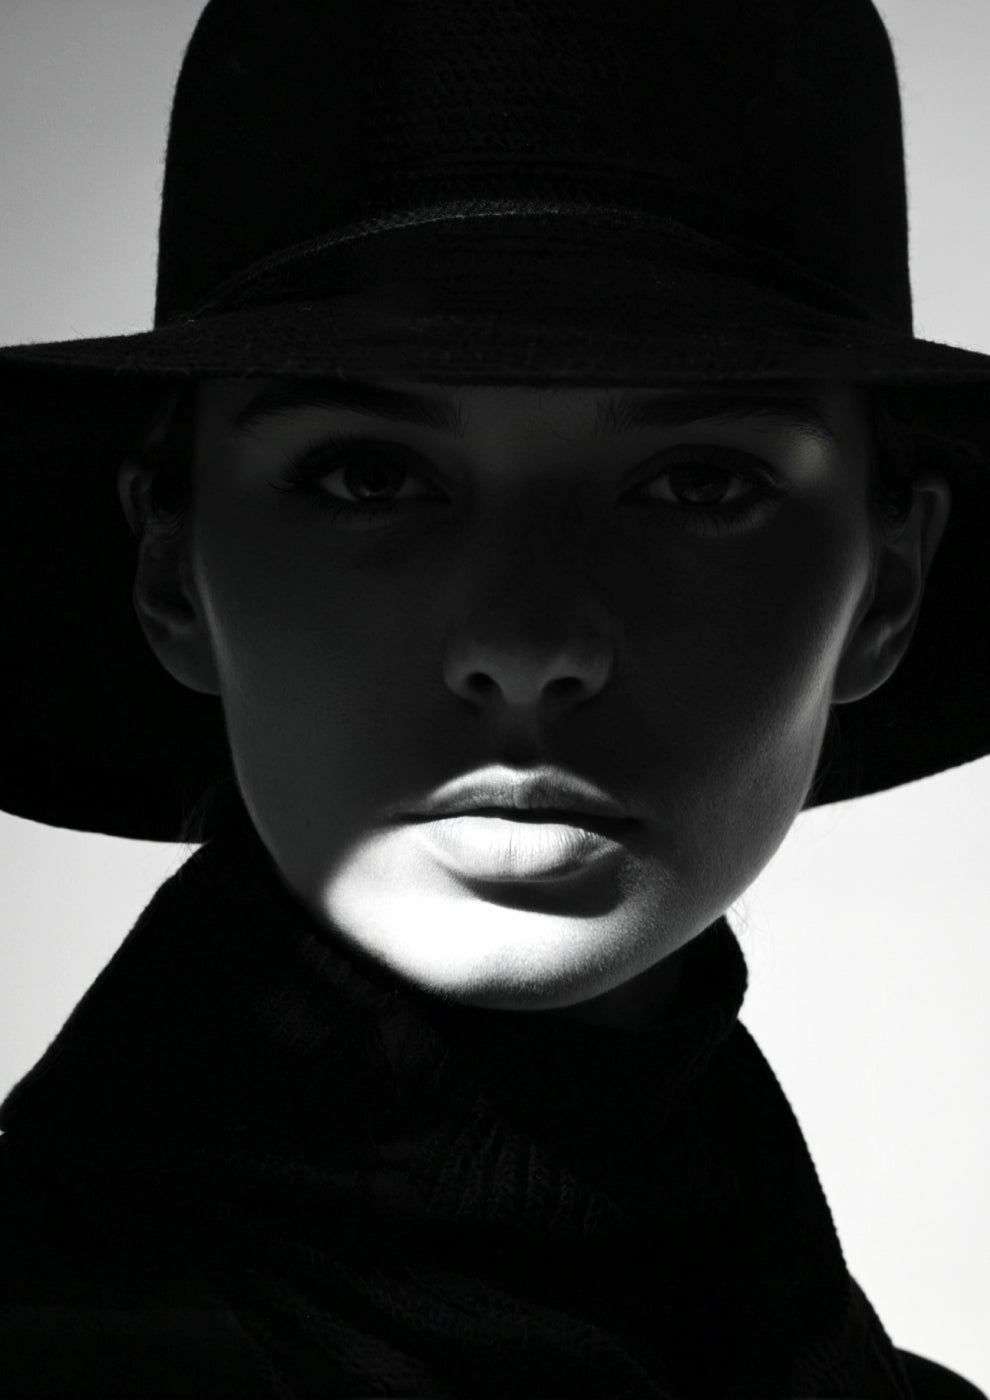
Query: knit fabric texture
point(399, 1194)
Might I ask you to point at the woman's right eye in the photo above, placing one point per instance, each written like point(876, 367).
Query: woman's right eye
point(361, 465)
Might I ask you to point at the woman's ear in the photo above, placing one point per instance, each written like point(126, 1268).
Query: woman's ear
point(165, 596)
point(880, 640)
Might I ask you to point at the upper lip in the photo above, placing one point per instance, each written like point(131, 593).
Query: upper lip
point(509, 789)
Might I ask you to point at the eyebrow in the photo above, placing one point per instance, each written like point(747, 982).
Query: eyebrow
point(795, 407)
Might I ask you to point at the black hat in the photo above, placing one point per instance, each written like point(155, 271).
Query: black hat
point(541, 192)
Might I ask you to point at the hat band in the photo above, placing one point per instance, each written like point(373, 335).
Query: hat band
point(367, 254)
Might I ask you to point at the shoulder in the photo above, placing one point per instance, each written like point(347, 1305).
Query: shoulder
point(73, 1323)
point(68, 1319)
point(930, 1381)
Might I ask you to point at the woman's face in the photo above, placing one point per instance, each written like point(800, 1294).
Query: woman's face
point(539, 589)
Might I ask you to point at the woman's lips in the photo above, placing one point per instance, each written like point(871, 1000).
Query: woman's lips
point(496, 844)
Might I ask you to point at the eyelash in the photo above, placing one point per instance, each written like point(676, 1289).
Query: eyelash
point(304, 473)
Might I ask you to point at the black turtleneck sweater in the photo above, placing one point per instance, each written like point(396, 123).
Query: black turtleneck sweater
point(398, 1195)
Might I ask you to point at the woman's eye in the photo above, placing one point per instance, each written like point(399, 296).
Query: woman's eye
point(368, 482)
point(711, 483)
point(700, 485)
point(365, 478)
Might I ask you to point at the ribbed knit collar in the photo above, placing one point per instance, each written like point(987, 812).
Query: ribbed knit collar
point(241, 1091)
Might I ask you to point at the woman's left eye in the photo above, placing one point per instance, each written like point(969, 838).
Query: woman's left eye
point(377, 469)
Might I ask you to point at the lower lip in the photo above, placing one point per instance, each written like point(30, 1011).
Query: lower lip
point(499, 848)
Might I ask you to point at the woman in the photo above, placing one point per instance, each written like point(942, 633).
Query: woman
point(533, 503)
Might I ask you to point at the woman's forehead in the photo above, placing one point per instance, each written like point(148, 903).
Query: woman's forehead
point(598, 410)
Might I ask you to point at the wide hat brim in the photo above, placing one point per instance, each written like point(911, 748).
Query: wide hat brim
point(96, 736)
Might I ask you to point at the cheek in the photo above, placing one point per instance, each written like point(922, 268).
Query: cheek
point(811, 583)
point(767, 612)
point(731, 668)
point(314, 653)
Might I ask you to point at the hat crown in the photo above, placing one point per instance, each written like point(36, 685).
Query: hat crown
point(774, 127)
